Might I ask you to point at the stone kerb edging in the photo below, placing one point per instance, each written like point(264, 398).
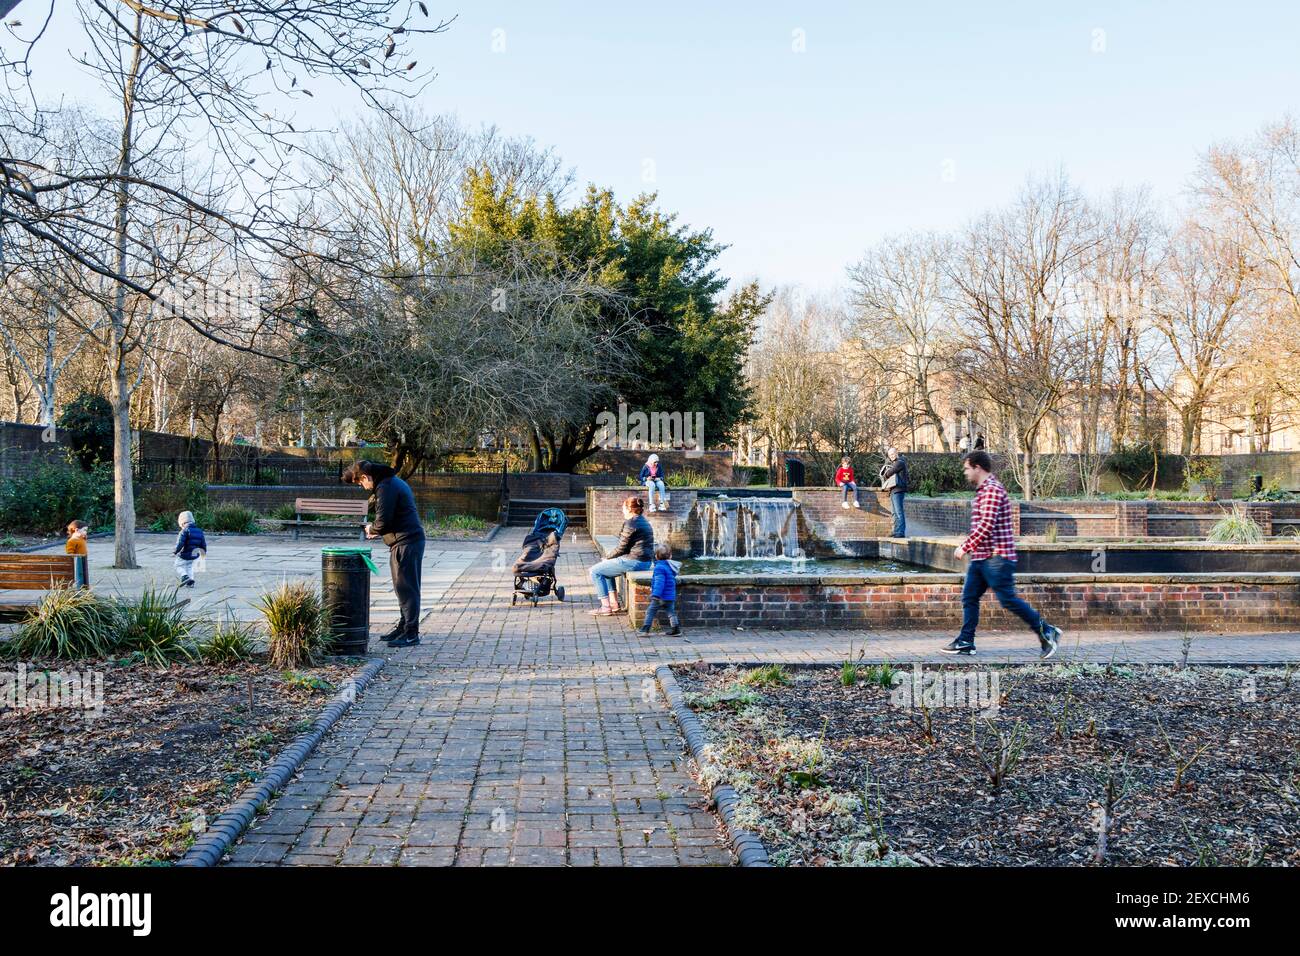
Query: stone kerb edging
point(748, 847)
point(209, 848)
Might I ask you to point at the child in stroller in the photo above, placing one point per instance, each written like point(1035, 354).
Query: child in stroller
point(535, 567)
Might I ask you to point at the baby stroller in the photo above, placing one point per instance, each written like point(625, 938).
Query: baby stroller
point(535, 568)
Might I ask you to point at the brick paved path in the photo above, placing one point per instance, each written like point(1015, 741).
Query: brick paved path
point(535, 736)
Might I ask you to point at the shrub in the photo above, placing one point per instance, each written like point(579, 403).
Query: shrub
point(230, 517)
point(750, 475)
point(769, 675)
point(688, 478)
point(682, 478)
point(167, 501)
point(155, 627)
point(68, 623)
point(1236, 528)
point(1133, 464)
point(230, 642)
point(454, 523)
point(284, 512)
point(882, 675)
point(1273, 492)
point(53, 494)
point(1203, 471)
point(937, 476)
point(296, 619)
point(87, 424)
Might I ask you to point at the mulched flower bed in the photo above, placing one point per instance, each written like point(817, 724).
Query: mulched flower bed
point(845, 775)
point(169, 752)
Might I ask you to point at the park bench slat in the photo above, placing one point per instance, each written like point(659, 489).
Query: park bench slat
point(327, 506)
point(40, 572)
point(29, 582)
point(342, 507)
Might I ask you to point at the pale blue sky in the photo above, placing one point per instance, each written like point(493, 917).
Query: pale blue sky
point(801, 160)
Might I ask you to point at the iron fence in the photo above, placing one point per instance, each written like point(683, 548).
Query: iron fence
point(237, 471)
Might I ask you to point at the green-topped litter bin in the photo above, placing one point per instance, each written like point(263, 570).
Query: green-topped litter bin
point(345, 587)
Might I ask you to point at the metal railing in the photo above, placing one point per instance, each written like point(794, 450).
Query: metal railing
point(237, 471)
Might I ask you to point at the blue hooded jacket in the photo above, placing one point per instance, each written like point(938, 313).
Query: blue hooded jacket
point(663, 582)
point(190, 542)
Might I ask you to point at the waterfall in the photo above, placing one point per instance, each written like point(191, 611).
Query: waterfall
point(749, 527)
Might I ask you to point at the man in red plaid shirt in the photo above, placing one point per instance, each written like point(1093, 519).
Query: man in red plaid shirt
point(991, 547)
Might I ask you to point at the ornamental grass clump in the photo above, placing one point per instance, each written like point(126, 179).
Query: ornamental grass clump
point(230, 642)
point(68, 623)
point(155, 627)
point(1236, 528)
point(296, 623)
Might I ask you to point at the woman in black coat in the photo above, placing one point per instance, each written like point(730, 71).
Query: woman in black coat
point(397, 521)
point(635, 552)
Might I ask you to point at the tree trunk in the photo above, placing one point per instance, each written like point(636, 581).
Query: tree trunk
point(1187, 418)
point(928, 407)
point(123, 493)
point(535, 445)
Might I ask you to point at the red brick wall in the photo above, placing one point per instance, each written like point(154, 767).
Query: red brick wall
point(444, 501)
point(828, 521)
point(1082, 604)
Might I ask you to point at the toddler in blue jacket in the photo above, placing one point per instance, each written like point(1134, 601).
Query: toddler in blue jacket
point(191, 545)
point(663, 591)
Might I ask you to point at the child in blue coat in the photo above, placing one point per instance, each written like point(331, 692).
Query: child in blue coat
point(190, 546)
point(663, 591)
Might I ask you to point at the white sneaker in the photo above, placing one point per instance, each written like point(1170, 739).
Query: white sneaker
point(844, 504)
point(857, 504)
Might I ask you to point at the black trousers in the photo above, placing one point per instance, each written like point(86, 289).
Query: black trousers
point(405, 558)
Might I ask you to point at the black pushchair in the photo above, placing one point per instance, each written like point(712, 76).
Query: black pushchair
point(535, 567)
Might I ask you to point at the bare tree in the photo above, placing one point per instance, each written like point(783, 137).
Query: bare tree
point(1200, 309)
point(183, 71)
point(1016, 278)
point(789, 371)
point(477, 346)
point(900, 296)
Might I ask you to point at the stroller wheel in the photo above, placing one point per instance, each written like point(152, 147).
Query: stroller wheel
point(559, 591)
point(513, 598)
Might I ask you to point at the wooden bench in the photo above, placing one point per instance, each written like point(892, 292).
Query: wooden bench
point(328, 506)
point(24, 576)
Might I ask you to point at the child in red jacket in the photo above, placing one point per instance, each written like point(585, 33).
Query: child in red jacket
point(844, 478)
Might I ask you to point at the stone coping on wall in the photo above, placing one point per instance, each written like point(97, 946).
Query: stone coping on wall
point(605, 543)
point(885, 580)
point(1141, 544)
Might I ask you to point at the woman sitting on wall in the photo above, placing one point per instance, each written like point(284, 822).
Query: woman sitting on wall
point(652, 476)
point(635, 552)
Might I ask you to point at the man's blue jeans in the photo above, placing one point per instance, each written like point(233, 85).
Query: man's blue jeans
point(900, 518)
point(998, 574)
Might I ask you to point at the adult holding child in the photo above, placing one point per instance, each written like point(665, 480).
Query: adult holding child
point(397, 522)
point(635, 551)
point(893, 478)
